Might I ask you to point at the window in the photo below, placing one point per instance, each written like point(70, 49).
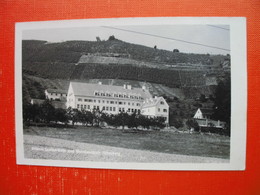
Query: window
point(88, 106)
point(111, 102)
point(114, 108)
point(119, 102)
point(85, 106)
point(94, 100)
point(107, 108)
point(129, 103)
point(137, 104)
point(132, 110)
point(79, 99)
point(162, 102)
point(98, 107)
point(98, 101)
point(128, 110)
point(164, 110)
point(104, 108)
point(158, 109)
point(111, 108)
point(77, 105)
point(119, 109)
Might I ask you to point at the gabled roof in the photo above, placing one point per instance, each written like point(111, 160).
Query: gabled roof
point(88, 89)
point(49, 90)
point(206, 111)
point(153, 102)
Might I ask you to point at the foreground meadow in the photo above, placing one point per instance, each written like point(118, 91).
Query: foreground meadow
point(204, 145)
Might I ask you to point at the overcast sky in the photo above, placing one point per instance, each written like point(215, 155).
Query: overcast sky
point(166, 37)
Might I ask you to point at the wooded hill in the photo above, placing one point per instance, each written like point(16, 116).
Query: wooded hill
point(60, 61)
point(71, 51)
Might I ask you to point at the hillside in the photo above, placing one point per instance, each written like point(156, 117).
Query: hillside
point(192, 74)
point(71, 51)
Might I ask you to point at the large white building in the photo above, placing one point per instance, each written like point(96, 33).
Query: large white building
point(114, 99)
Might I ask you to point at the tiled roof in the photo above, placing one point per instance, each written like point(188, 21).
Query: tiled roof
point(88, 89)
point(152, 102)
point(206, 111)
point(49, 90)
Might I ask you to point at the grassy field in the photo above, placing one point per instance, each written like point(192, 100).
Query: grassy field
point(166, 142)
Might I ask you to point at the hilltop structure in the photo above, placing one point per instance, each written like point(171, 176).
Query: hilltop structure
point(115, 99)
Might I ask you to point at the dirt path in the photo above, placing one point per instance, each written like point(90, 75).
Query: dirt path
point(39, 147)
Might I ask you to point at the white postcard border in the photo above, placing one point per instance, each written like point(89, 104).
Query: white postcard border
point(238, 91)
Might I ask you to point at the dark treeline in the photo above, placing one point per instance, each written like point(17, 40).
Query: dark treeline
point(47, 114)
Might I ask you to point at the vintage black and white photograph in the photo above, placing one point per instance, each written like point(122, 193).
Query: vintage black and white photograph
point(154, 93)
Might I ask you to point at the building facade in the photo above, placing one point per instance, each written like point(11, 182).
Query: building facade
point(203, 113)
point(113, 99)
point(55, 94)
point(156, 107)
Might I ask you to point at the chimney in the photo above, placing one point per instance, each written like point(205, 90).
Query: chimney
point(124, 86)
point(143, 87)
point(100, 83)
point(129, 87)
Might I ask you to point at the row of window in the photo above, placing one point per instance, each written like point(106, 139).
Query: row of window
point(117, 95)
point(106, 108)
point(58, 94)
point(109, 102)
point(159, 110)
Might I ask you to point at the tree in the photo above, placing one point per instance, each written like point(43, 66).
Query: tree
point(122, 118)
point(47, 112)
point(191, 123)
point(202, 98)
point(222, 101)
point(31, 112)
point(60, 115)
point(74, 115)
point(133, 120)
point(176, 51)
point(111, 38)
